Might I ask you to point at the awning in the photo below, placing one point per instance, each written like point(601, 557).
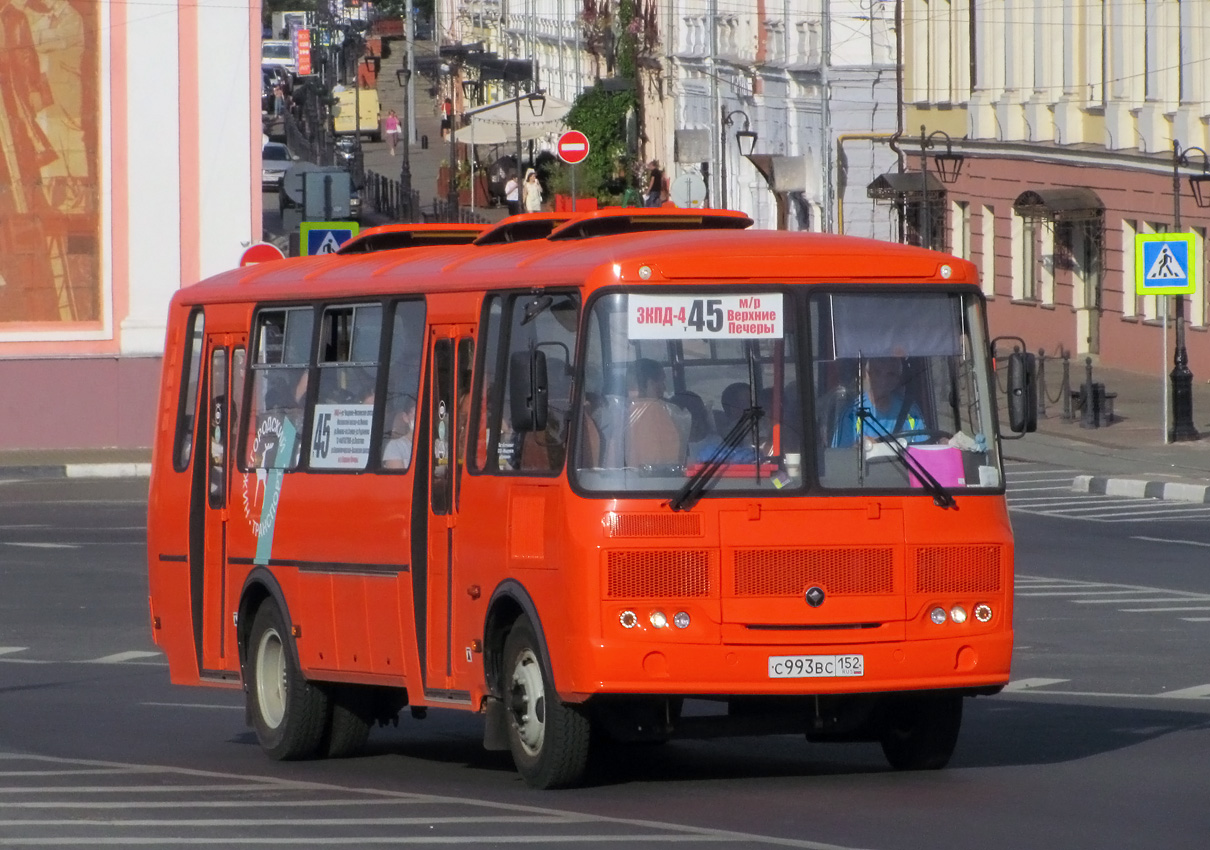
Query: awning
point(894, 186)
point(1066, 204)
point(496, 124)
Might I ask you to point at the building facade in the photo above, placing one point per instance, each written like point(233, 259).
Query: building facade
point(1068, 120)
point(128, 134)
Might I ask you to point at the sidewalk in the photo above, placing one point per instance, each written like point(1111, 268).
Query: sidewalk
point(1129, 457)
point(425, 162)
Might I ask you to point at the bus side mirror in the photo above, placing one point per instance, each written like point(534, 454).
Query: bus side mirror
point(1022, 392)
point(528, 390)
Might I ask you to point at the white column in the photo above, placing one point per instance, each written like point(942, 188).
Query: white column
point(153, 178)
point(227, 179)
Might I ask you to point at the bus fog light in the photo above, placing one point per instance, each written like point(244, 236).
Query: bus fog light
point(983, 612)
point(937, 615)
point(658, 620)
point(681, 620)
point(628, 619)
point(958, 614)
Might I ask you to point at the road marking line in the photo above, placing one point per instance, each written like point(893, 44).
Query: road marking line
point(1162, 610)
point(1030, 684)
point(119, 657)
point(8, 650)
point(190, 705)
point(43, 545)
point(1075, 593)
point(552, 819)
point(1186, 599)
point(1035, 489)
point(1170, 540)
point(1196, 692)
point(271, 784)
point(353, 841)
point(137, 789)
point(1196, 619)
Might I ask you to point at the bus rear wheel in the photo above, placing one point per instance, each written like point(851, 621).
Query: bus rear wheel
point(289, 713)
point(549, 739)
point(920, 733)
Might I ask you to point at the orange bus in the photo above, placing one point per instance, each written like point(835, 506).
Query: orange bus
point(626, 475)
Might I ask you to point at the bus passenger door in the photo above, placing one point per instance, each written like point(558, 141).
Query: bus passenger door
point(450, 364)
point(225, 355)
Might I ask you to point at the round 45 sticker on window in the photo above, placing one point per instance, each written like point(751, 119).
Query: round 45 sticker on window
point(758, 315)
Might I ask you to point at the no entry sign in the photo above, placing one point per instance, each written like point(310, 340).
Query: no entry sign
point(572, 147)
point(261, 252)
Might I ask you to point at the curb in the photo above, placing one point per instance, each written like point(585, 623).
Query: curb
point(78, 470)
point(1136, 488)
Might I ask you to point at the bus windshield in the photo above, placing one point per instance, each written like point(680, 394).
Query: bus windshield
point(705, 386)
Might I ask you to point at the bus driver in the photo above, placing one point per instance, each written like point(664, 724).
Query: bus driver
point(884, 401)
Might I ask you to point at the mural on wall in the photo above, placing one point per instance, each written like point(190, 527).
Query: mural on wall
point(49, 168)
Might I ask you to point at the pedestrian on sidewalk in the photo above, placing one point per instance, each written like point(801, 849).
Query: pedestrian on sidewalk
point(512, 193)
point(391, 126)
point(532, 192)
point(447, 117)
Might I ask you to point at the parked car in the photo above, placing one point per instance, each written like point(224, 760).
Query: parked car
point(276, 160)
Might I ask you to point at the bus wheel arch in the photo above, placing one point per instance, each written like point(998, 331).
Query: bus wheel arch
point(509, 602)
point(291, 715)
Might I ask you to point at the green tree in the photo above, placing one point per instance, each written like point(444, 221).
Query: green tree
point(608, 171)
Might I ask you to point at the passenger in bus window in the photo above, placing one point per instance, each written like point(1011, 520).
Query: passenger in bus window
point(397, 450)
point(886, 401)
point(657, 431)
point(736, 398)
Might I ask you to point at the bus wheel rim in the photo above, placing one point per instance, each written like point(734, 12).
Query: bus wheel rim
point(271, 678)
point(528, 702)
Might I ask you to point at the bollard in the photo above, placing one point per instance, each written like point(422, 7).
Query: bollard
point(424, 143)
point(1090, 419)
point(1068, 414)
point(1042, 383)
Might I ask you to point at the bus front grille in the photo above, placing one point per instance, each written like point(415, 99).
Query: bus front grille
point(659, 573)
point(867, 571)
point(654, 525)
point(958, 569)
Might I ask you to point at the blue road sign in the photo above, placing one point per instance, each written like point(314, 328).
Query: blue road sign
point(1165, 264)
point(324, 237)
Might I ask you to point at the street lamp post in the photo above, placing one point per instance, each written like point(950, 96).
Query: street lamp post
point(1181, 377)
point(948, 165)
point(745, 137)
point(403, 75)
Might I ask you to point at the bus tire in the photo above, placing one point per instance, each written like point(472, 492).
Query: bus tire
point(289, 713)
point(549, 739)
point(920, 733)
point(352, 717)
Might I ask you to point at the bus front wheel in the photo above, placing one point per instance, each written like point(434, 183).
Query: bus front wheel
point(920, 733)
point(289, 713)
point(549, 739)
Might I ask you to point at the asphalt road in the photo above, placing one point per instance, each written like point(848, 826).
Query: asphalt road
point(1100, 742)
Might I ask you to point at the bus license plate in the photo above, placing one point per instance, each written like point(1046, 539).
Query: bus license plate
point(815, 666)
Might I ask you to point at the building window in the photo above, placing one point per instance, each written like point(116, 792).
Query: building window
point(987, 246)
point(1026, 258)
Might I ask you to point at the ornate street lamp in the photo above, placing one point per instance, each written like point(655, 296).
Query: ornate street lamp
point(1181, 377)
point(745, 138)
point(948, 165)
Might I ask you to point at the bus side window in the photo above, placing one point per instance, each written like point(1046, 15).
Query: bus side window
point(343, 420)
point(273, 439)
point(187, 409)
point(402, 385)
point(548, 324)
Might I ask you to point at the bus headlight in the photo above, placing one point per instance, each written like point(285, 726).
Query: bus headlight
point(658, 620)
point(681, 620)
point(983, 612)
point(937, 615)
point(628, 619)
point(958, 614)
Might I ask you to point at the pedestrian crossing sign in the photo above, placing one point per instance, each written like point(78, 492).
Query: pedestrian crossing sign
point(1165, 264)
point(324, 237)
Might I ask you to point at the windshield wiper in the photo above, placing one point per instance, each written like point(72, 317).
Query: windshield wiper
point(692, 490)
point(942, 498)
